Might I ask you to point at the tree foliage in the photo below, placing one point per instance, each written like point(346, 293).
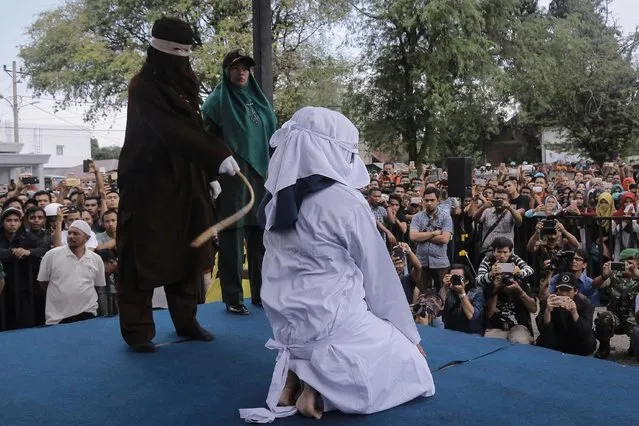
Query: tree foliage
point(429, 84)
point(573, 73)
point(434, 77)
point(104, 153)
point(87, 50)
point(441, 77)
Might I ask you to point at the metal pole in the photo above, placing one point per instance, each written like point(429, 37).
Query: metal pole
point(16, 128)
point(263, 46)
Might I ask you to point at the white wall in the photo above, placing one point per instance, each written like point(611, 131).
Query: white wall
point(44, 139)
point(551, 153)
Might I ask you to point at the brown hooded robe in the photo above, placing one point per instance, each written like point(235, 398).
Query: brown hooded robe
point(165, 165)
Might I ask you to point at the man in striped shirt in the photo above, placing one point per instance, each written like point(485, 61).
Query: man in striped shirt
point(508, 297)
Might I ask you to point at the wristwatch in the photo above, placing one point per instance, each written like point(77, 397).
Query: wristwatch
point(461, 296)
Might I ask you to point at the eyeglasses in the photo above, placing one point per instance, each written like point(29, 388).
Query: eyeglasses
point(578, 259)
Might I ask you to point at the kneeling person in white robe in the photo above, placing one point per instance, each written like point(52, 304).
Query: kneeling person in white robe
point(341, 323)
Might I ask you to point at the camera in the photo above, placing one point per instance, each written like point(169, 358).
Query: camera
point(507, 278)
point(398, 252)
point(617, 266)
point(498, 203)
point(561, 261)
point(548, 227)
point(86, 165)
point(456, 280)
point(429, 303)
point(30, 180)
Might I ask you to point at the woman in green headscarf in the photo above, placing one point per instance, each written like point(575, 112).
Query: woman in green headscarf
point(238, 112)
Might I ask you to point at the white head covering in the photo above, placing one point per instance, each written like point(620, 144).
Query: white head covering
point(81, 226)
point(171, 47)
point(315, 141)
point(51, 209)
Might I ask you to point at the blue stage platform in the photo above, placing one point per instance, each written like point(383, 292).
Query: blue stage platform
point(83, 374)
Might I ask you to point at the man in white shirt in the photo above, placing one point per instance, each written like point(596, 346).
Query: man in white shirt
point(71, 275)
point(70, 216)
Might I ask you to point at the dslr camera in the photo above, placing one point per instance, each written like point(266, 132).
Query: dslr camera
point(498, 203)
point(428, 303)
point(561, 261)
point(456, 280)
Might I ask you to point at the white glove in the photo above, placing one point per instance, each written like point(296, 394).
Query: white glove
point(229, 166)
point(216, 188)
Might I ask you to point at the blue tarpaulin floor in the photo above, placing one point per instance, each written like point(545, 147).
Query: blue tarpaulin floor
point(83, 374)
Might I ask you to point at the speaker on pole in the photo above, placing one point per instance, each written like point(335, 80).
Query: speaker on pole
point(460, 176)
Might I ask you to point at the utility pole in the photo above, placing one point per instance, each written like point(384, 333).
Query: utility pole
point(263, 46)
point(14, 105)
point(16, 125)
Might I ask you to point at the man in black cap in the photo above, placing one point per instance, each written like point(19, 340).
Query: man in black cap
point(566, 322)
point(167, 155)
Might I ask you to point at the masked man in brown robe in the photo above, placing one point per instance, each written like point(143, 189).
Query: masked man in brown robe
point(164, 171)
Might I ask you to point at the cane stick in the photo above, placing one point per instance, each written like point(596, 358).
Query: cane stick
point(209, 233)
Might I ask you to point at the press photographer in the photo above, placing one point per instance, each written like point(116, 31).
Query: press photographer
point(497, 218)
point(622, 280)
point(463, 301)
point(428, 308)
point(508, 298)
point(410, 274)
point(574, 262)
point(566, 323)
point(551, 235)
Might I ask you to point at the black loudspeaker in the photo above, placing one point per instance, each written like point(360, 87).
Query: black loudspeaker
point(460, 177)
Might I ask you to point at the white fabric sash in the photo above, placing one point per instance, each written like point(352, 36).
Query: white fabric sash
point(171, 47)
point(280, 372)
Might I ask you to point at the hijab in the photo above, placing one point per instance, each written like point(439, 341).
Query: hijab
point(316, 148)
point(604, 210)
point(246, 118)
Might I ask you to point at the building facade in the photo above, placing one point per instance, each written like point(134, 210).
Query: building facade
point(65, 146)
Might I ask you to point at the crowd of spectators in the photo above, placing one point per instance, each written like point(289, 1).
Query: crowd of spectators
point(534, 253)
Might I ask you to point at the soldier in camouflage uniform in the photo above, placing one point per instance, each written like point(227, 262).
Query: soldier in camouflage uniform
point(620, 315)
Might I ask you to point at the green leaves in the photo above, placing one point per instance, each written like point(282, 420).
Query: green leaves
point(426, 91)
point(87, 50)
point(571, 73)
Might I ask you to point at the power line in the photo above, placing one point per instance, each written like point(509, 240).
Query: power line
point(72, 130)
point(59, 118)
point(40, 98)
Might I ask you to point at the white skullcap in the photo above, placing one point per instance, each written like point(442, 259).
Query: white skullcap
point(51, 209)
point(81, 226)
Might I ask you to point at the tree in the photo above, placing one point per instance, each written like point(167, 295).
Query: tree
point(429, 83)
point(104, 153)
point(572, 73)
point(87, 50)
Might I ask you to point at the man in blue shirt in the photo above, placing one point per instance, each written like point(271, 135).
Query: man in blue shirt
point(578, 268)
point(463, 302)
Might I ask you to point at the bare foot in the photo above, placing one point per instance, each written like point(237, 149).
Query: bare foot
point(309, 403)
point(291, 389)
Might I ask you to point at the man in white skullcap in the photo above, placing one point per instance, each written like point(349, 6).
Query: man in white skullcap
point(341, 323)
point(72, 277)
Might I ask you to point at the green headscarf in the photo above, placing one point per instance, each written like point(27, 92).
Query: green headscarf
point(246, 118)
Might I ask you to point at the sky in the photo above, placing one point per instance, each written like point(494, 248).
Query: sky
point(18, 15)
